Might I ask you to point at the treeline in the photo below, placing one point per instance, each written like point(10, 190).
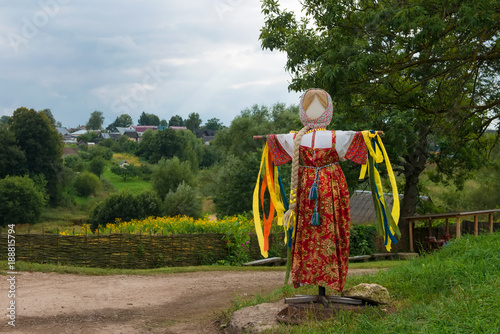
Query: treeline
point(182, 170)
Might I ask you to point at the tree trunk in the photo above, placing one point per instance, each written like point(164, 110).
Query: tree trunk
point(414, 165)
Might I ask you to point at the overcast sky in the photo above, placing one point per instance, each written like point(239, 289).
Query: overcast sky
point(117, 56)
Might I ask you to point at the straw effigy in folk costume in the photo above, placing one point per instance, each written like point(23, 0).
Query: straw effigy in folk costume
point(317, 217)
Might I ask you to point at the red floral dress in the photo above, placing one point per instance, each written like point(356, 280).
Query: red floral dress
point(320, 254)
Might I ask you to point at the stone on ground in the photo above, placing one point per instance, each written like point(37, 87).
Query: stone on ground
point(372, 293)
point(255, 319)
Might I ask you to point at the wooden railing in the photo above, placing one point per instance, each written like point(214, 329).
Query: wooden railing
point(457, 215)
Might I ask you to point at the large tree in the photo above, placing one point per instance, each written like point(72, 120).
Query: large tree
point(123, 121)
point(425, 72)
point(193, 122)
point(175, 120)
point(214, 124)
point(95, 121)
point(148, 119)
point(155, 145)
point(37, 137)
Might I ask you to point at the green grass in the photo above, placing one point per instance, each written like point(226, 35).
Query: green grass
point(134, 185)
point(455, 290)
point(376, 264)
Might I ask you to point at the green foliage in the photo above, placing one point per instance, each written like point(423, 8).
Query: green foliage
point(207, 180)
point(4, 119)
point(145, 172)
point(100, 151)
point(237, 172)
point(22, 200)
point(123, 206)
point(169, 174)
point(210, 156)
point(37, 137)
point(236, 177)
point(121, 121)
point(12, 159)
point(89, 137)
point(158, 144)
point(185, 201)
point(95, 121)
point(191, 149)
point(362, 240)
point(148, 119)
point(125, 171)
point(96, 165)
point(237, 239)
point(125, 145)
point(149, 204)
point(87, 184)
point(176, 120)
point(423, 72)
point(214, 124)
point(193, 122)
point(49, 115)
point(75, 162)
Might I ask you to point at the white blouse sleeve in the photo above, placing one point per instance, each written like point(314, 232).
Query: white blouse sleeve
point(323, 140)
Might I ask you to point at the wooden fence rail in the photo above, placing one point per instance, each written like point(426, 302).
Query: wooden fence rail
point(457, 215)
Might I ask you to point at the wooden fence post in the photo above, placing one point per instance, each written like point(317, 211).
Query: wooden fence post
point(458, 228)
point(476, 223)
point(411, 234)
point(491, 222)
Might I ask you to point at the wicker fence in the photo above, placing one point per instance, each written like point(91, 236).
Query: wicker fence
point(128, 250)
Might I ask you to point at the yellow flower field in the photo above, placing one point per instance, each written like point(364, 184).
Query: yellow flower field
point(174, 225)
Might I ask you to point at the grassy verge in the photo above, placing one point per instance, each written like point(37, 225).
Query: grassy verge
point(455, 290)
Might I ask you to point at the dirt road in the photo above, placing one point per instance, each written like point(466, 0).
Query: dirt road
point(50, 303)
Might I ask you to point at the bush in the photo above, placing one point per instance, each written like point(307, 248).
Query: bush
point(362, 240)
point(125, 171)
point(126, 207)
point(184, 201)
point(22, 200)
point(74, 162)
point(145, 172)
point(149, 204)
point(100, 151)
point(96, 165)
point(168, 174)
point(122, 205)
point(87, 184)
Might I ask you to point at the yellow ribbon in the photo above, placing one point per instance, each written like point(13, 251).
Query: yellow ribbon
point(379, 157)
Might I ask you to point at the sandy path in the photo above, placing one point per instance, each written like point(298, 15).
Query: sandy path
point(50, 303)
